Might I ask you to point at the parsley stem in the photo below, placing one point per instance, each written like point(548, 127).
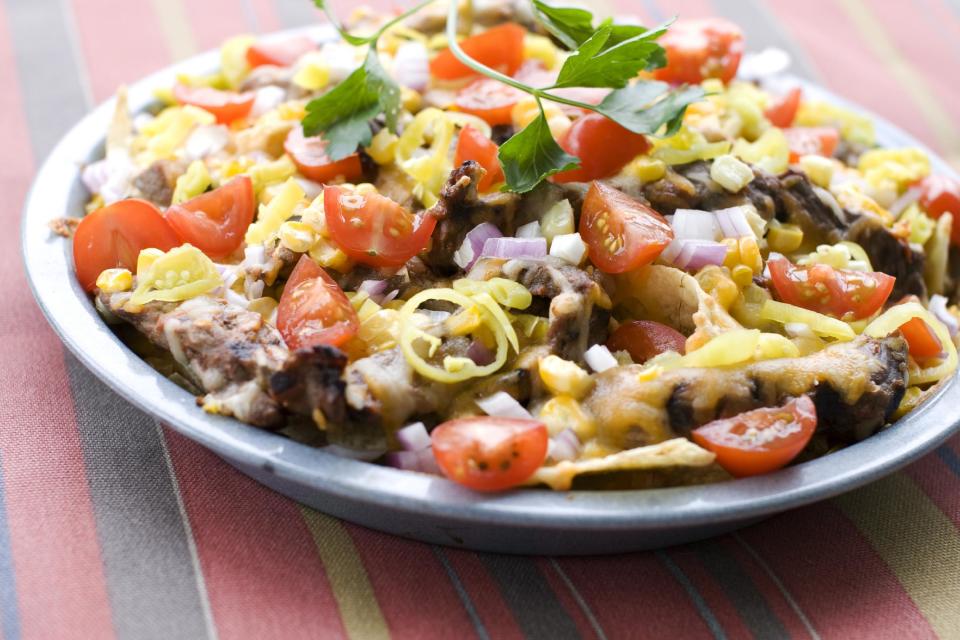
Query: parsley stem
point(462, 56)
point(371, 39)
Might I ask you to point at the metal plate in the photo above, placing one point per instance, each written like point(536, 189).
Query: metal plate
point(419, 506)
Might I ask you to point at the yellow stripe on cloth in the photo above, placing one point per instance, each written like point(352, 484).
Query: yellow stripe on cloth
point(351, 586)
point(915, 86)
point(175, 28)
point(916, 540)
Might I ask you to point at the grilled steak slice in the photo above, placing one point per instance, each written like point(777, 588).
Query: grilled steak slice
point(156, 182)
point(690, 186)
point(892, 255)
point(459, 210)
point(855, 385)
point(226, 350)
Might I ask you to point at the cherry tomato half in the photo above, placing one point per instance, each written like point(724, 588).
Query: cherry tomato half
point(475, 146)
point(310, 156)
point(939, 195)
point(280, 53)
point(373, 229)
point(805, 141)
point(842, 293)
point(115, 235)
point(783, 111)
point(488, 99)
point(644, 339)
point(313, 310)
point(500, 48)
point(701, 49)
point(621, 233)
point(762, 440)
point(489, 454)
point(602, 145)
point(215, 222)
point(226, 106)
point(921, 339)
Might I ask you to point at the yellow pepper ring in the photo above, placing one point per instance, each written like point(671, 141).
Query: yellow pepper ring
point(463, 371)
point(894, 318)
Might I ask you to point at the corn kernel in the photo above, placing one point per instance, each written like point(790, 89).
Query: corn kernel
point(540, 48)
point(563, 377)
point(717, 282)
point(647, 169)
point(297, 236)
point(562, 413)
point(410, 99)
point(114, 280)
point(313, 73)
point(784, 238)
point(557, 221)
point(526, 111)
point(742, 276)
point(733, 253)
point(750, 254)
point(818, 169)
point(329, 256)
point(731, 173)
point(294, 110)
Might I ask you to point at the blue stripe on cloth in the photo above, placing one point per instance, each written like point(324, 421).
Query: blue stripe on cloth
point(949, 458)
point(702, 607)
point(9, 614)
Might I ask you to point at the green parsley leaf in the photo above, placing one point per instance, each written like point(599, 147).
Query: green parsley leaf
point(532, 155)
point(380, 82)
point(570, 26)
point(342, 115)
point(595, 64)
point(645, 107)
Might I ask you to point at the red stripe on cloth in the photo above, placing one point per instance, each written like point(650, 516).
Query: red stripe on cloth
point(484, 593)
point(263, 575)
point(831, 570)
point(939, 483)
point(687, 8)
point(56, 557)
point(768, 589)
point(712, 593)
point(634, 596)
point(213, 21)
point(115, 53)
point(566, 598)
point(416, 596)
point(851, 70)
point(265, 15)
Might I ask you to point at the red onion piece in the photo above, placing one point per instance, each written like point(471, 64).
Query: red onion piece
point(695, 254)
point(427, 462)
point(411, 66)
point(480, 354)
point(413, 437)
point(692, 224)
point(564, 446)
point(530, 230)
point(515, 248)
point(503, 405)
point(390, 296)
point(938, 307)
point(406, 460)
point(373, 288)
point(472, 247)
point(900, 205)
point(733, 223)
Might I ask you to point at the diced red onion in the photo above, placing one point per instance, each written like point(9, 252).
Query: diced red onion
point(564, 446)
point(480, 354)
point(406, 460)
point(413, 437)
point(599, 358)
point(691, 224)
point(353, 454)
point(390, 296)
point(515, 248)
point(530, 230)
point(428, 463)
point(733, 223)
point(373, 288)
point(503, 405)
point(938, 307)
point(696, 254)
point(411, 67)
point(472, 247)
point(310, 188)
point(900, 205)
point(111, 177)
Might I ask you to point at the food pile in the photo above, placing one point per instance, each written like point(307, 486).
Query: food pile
point(525, 247)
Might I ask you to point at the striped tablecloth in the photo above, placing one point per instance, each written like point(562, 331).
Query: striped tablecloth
point(111, 525)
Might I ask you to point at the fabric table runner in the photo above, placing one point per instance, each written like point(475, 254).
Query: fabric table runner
point(112, 525)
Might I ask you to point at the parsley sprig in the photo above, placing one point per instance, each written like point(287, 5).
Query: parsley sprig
point(606, 56)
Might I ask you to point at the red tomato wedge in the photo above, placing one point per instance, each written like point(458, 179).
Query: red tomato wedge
point(226, 106)
point(215, 222)
point(621, 233)
point(500, 48)
point(762, 440)
point(489, 100)
point(644, 339)
point(602, 145)
point(701, 49)
point(489, 454)
point(842, 293)
point(280, 53)
point(939, 195)
point(373, 229)
point(310, 156)
point(805, 141)
point(313, 310)
point(784, 110)
point(115, 235)
point(475, 146)
point(921, 339)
